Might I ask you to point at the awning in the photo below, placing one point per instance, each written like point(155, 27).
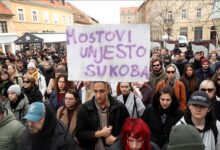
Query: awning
point(28, 38)
point(52, 37)
point(7, 38)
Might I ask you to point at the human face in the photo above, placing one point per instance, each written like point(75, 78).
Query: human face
point(165, 100)
point(125, 88)
point(31, 70)
point(205, 65)
point(135, 144)
point(70, 100)
point(26, 83)
point(87, 84)
point(156, 67)
point(35, 127)
point(61, 84)
point(171, 72)
point(19, 65)
point(46, 65)
point(198, 111)
point(4, 76)
point(101, 92)
point(12, 96)
point(189, 71)
point(209, 89)
point(213, 57)
point(10, 70)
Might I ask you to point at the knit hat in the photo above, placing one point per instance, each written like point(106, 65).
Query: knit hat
point(204, 60)
point(200, 98)
point(185, 137)
point(31, 65)
point(15, 88)
point(217, 66)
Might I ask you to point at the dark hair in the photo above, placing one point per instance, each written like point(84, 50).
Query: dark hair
point(190, 82)
point(166, 90)
point(75, 94)
point(67, 83)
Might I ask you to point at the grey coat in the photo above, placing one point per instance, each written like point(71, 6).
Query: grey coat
point(130, 105)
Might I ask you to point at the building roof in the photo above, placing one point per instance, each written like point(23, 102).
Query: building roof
point(4, 10)
point(56, 4)
point(128, 10)
point(81, 17)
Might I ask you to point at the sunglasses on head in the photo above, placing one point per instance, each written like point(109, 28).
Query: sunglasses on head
point(170, 72)
point(209, 90)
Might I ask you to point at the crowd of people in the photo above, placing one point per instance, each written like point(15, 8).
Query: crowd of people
point(178, 108)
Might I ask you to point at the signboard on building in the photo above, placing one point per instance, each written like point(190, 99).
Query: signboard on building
point(108, 52)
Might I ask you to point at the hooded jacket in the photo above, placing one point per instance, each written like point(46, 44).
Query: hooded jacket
point(52, 136)
point(10, 131)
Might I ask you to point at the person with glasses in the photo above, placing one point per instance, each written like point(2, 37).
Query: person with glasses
point(177, 85)
point(68, 113)
point(208, 86)
point(100, 119)
point(200, 115)
point(31, 89)
point(157, 72)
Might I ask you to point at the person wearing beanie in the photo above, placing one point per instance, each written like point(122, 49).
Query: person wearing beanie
point(185, 137)
point(204, 71)
point(217, 67)
point(40, 81)
point(200, 115)
point(10, 129)
point(18, 102)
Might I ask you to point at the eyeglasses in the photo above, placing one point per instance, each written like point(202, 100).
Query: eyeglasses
point(26, 81)
point(157, 65)
point(209, 90)
point(170, 72)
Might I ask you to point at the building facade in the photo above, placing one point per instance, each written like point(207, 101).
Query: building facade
point(172, 18)
point(128, 15)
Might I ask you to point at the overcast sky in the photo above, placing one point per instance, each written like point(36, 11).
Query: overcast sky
point(106, 12)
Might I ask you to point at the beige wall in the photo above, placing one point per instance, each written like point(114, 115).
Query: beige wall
point(29, 26)
point(157, 11)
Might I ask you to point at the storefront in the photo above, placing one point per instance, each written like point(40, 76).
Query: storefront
point(7, 42)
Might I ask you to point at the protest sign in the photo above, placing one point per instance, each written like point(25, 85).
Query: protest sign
point(108, 52)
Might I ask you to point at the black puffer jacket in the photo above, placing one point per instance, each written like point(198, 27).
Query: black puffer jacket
point(88, 121)
point(33, 94)
point(53, 136)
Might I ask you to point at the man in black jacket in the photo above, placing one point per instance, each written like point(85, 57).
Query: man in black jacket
point(44, 131)
point(100, 120)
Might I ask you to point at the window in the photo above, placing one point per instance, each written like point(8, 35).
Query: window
point(46, 17)
point(199, 13)
point(183, 14)
point(64, 19)
point(34, 16)
point(3, 27)
point(55, 18)
point(198, 34)
point(183, 31)
point(170, 15)
point(70, 20)
point(20, 14)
